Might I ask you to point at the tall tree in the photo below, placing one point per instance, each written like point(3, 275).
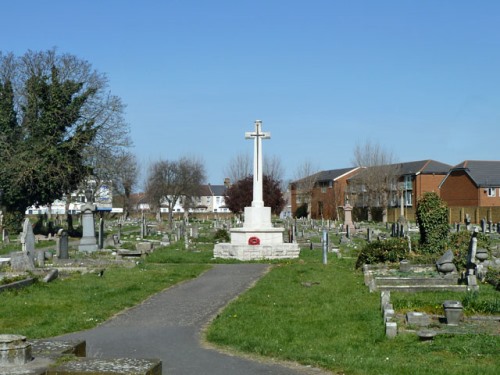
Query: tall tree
point(62, 109)
point(172, 181)
point(240, 195)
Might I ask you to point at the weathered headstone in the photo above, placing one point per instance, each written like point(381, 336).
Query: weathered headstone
point(483, 225)
point(20, 262)
point(418, 319)
point(100, 244)
point(62, 244)
point(40, 258)
point(471, 255)
point(467, 221)
point(88, 242)
point(28, 240)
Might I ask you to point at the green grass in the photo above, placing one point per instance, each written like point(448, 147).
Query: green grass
point(83, 301)
point(484, 301)
point(336, 324)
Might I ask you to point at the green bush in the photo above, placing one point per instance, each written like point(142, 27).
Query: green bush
point(459, 242)
point(13, 222)
point(390, 250)
point(432, 220)
point(493, 277)
point(222, 236)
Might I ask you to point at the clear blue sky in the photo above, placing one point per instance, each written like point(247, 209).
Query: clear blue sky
point(421, 78)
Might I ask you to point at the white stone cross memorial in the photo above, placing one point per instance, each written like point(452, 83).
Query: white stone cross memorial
point(257, 136)
point(257, 216)
point(257, 239)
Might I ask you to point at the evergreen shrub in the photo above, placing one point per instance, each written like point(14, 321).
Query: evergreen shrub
point(432, 220)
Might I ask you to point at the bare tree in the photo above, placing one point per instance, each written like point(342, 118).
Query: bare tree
point(239, 168)
point(172, 181)
point(126, 178)
point(306, 176)
point(377, 182)
point(273, 168)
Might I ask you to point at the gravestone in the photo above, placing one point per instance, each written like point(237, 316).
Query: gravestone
point(28, 239)
point(348, 215)
point(62, 244)
point(471, 255)
point(24, 260)
point(467, 221)
point(88, 242)
point(100, 244)
point(419, 319)
point(483, 225)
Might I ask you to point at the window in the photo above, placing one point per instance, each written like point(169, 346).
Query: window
point(408, 198)
point(492, 192)
point(408, 185)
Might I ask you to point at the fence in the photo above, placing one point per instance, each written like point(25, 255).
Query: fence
point(455, 214)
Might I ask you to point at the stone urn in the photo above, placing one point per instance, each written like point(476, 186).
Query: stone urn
point(404, 266)
point(453, 311)
point(445, 263)
point(481, 254)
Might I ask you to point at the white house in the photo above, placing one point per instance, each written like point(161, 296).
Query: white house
point(210, 199)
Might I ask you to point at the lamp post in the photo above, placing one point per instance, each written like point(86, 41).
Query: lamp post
point(402, 218)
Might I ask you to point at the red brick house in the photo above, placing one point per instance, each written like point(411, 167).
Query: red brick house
point(472, 183)
point(379, 190)
point(323, 192)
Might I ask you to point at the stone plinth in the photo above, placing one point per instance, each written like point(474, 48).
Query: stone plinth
point(268, 236)
point(257, 217)
point(249, 243)
point(256, 252)
point(14, 350)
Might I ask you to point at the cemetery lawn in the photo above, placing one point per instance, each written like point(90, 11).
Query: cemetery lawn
point(81, 302)
point(324, 316)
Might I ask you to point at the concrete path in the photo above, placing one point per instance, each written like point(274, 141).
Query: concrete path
point(168, 326)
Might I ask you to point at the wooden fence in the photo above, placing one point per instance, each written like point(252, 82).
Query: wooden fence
point(455, 214)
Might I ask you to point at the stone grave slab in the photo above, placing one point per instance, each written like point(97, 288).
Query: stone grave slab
point(102, 366)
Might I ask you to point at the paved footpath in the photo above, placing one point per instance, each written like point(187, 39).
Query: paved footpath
point(168, 326)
